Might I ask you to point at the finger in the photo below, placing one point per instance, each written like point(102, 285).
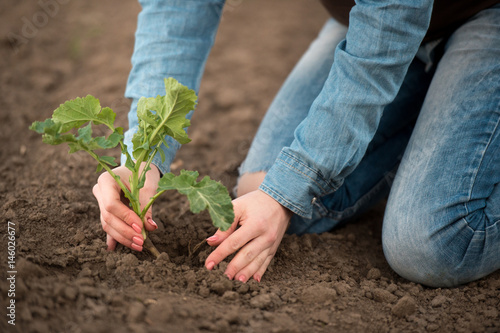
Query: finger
point(150, 225)
point(109, 200)
point(114, 226)
point(110, 242)
point(255, 250)
point(111, 223)
point(230, 245)
point(260, 272)
point(258, 266)
point(220, 235)
point(135, 243)
point(249, 270)
point(96, 192)
point(262, 269)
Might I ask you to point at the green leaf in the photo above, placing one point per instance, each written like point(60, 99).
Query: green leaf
point(85, 133)
point(139, 146)
point(51, 132)
point(110, 142)
point(47, 126)
point(142, 180)
point(144, 107)
point(73, 114)
point(77, 146)
point(129, 163)
point(206, 194)
point(162, 155)
point(85, 141)
point(76, 112)
point(108, 160)
point(164, 141)
point(106, 117)
point(169, 117)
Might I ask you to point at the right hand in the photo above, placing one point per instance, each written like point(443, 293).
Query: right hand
point(121, 223)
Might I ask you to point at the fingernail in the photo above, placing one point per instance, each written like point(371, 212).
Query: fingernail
point(242, 278)
point(153, 223)
point(210, 265)
point(257, 278)
point(138, 240)
point(228, 276)
point(136, 247)
point(212, 238)
point(136, 228)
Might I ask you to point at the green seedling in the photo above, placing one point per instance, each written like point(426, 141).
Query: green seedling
point(159, 117)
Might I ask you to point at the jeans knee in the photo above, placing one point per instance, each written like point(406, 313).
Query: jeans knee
point(422, 254)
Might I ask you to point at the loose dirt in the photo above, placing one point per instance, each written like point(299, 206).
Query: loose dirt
point(67, 282)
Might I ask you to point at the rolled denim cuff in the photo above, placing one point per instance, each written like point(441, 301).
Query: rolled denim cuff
point(296, 185)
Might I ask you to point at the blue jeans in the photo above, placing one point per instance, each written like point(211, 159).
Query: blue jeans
point(436, 153)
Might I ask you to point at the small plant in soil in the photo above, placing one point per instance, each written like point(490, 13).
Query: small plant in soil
point(159, 117)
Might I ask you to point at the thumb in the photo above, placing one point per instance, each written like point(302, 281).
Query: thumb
point(150, 224)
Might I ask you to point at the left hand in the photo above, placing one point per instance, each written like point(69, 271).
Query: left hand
point(263, 222)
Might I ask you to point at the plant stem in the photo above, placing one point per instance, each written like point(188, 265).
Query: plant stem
point(115, 176)
point(147, 165)
point(133, 194)
point(151, 201)
point(148, 245)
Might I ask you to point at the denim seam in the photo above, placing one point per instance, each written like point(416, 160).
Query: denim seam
point(334, 188)
point(479, 166)
point(300, 171)
point(279, 198)
point(322, 210)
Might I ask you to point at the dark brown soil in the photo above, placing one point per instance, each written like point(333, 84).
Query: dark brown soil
point(67, 282)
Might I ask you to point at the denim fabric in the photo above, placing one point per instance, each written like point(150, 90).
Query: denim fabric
point(173, 39)
point(442, 222)
point(368, 71)
point(334, 136)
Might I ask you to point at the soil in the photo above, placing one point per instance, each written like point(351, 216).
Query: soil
point(65, 279)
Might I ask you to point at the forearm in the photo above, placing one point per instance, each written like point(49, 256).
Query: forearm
point(173, 39)
point(367, 73)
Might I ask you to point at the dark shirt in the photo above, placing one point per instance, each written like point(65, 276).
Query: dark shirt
point(447, 15)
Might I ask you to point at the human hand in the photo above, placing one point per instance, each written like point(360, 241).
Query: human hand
point(263, 222)
point(121, 223)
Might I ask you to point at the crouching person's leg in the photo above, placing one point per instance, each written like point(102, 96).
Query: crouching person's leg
point(439, 247)
point(442, 222)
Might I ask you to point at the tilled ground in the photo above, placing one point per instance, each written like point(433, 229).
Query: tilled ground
point(67, 282)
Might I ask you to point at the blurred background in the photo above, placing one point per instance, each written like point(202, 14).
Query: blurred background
point(54, 50)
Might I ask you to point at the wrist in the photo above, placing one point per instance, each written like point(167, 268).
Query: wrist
point(285, 211)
